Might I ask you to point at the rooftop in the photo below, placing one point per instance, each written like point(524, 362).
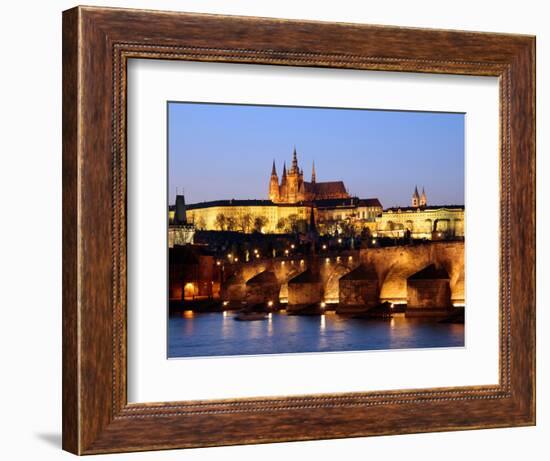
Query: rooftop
point(424, 208)
point(323, 203)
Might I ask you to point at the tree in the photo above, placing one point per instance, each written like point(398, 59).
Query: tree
point(201, 223)
point(328, 227)
point(293, 223)
point(366, 233)
point(346, 228)
point(282, 224)
point(259, 223)
point(245, 222)
point(221, 221)
point(231, 223)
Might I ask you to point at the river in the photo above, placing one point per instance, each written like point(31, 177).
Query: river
point(192, 334)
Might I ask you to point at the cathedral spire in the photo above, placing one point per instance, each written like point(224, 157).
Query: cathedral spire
point(294, 168)
point(423, 198)
point(313, 177)
point(274, 185)
point(415, 201)
point(283, 177)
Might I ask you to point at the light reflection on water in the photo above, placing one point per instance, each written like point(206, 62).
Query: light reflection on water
point(216, 334)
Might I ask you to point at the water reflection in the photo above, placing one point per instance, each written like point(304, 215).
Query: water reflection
point(270, 324)
point(210, 334)
point(227, 323)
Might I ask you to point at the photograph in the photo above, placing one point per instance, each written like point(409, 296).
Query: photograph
point(313, 229)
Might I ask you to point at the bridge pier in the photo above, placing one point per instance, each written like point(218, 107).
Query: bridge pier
point(359, 290)
point(428, 293)
point(304, 290)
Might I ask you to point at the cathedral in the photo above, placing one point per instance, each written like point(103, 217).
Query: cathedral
point(293, 188)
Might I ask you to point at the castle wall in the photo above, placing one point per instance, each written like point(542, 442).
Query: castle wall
point(428, 224)
point(422, 223)
point(206, 218)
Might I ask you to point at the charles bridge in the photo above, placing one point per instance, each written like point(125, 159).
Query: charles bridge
point(427, 275)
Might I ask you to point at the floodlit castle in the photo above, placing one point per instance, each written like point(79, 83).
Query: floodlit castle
point(293, 204)
point(294, 189)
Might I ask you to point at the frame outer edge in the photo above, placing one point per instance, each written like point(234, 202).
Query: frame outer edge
point(524, 217)
point(70, 178)
point(90, 422)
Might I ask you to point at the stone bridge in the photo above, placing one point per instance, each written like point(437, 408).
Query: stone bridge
point(331, 268)
point(393, 266)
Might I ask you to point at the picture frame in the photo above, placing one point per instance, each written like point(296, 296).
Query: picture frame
point(97, 44)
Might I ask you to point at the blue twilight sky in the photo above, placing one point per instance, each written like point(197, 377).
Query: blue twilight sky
point(219, 151)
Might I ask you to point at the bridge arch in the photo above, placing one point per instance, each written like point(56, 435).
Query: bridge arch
point(331, 285)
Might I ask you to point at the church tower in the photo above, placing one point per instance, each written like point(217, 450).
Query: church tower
point(294, 181)
point(415, 201)
point(423, 198)
point(274, 185)
point(313, 177)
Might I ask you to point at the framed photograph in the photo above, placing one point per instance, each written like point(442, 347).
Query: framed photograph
point(282, 230)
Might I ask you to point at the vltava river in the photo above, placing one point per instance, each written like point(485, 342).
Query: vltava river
point(191, 334)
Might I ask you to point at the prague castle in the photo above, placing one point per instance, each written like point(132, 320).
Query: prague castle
point(292, 201)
